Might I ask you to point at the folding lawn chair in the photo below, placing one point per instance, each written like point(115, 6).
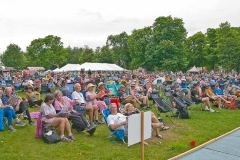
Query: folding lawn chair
point(117, 133)
point(163, 105)
point(71, 87)
point(112, 90)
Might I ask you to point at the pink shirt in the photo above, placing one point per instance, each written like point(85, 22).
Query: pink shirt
point(66, 101)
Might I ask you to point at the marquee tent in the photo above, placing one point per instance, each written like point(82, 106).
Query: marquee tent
point(69, 67)
point(193, 70)
point(92, 66)
point(57, 70)
point(101, 67)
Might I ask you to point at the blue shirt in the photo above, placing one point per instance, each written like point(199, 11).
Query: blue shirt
point(5, 100)
point(218, 91)
point(184, 85)
point(78, 79)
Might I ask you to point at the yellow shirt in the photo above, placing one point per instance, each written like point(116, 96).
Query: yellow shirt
point(209, 92)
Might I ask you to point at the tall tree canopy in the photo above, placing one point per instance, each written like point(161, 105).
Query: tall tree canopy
point(118, 43)
point(137, 46)
point(46, 52)
point(167, 44)
point(14, 57)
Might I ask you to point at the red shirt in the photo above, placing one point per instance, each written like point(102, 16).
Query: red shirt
point(106, 92)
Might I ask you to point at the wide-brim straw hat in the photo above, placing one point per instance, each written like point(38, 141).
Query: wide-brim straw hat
point(90, 85)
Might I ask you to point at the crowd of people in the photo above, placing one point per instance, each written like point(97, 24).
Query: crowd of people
point(89, 95)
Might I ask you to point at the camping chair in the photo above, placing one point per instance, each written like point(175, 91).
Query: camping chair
point(163, 105)
point(44, 89)
point(117, 133)
point(112, 90)
point(70, 86)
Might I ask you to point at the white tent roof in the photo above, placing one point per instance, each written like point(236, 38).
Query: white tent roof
point(193, 69)
point(57, 70)
point(100, 67)
point(69, 67)
point(92, 67)
point(36, 68)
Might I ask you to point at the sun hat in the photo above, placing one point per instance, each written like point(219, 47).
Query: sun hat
point(133, 84)
point(100, 83)
point(90, 85)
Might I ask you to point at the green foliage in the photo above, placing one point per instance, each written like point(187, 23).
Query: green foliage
point(87, 55)
point(73, 54)
point(104, 55)
point(118, 44)
point(46, 52)
point(195, 49)
point(167, 44)
point(137, 46)
point(14, 57)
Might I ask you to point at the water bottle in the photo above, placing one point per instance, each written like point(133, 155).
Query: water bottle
point(174, 104)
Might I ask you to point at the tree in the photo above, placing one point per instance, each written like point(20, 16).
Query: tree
point(46, 52)
point(195, 50)
point(137, 46)
point(73, 54)
point(104, 55)
point(168, 38)
point(118, 43)
point(14, 57)
point(228, 47)
point(87, 55)
point(211, 48)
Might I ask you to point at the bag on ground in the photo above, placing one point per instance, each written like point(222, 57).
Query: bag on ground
point(77, 122)
point(50, 136)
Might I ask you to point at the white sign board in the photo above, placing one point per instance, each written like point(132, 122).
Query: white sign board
point(134, 127)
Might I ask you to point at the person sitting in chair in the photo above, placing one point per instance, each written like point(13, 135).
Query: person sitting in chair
point(139, 96)
point(184, 87)
point(196, 97)
point(50, 117)
point(125, 98)
point(211, 95)
point(9, 112)
point(233, 89)
point(82, 105)
point(129, 110)
point(64, 103)
point(116, 120)
point(227, 94)
point(11, 100)
point(33, 97)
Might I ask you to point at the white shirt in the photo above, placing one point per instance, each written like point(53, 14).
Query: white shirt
point(116, 119)
point(78, 96)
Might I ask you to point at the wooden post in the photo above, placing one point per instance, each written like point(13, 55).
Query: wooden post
point(142, 135)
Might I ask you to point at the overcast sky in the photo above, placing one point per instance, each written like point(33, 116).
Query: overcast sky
point(89, 22)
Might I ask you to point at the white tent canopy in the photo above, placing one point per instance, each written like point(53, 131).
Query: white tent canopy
point(57, 70)
point(92, 66)
point(69, 67)
point(193, 69)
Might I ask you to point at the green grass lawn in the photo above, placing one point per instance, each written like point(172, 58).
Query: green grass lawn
point(202, 127)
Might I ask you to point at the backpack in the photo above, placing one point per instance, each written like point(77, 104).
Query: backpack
point(52, 138)
point(183, 113)
point(77, 122)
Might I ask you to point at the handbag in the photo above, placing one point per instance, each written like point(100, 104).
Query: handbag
point(50, 136)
